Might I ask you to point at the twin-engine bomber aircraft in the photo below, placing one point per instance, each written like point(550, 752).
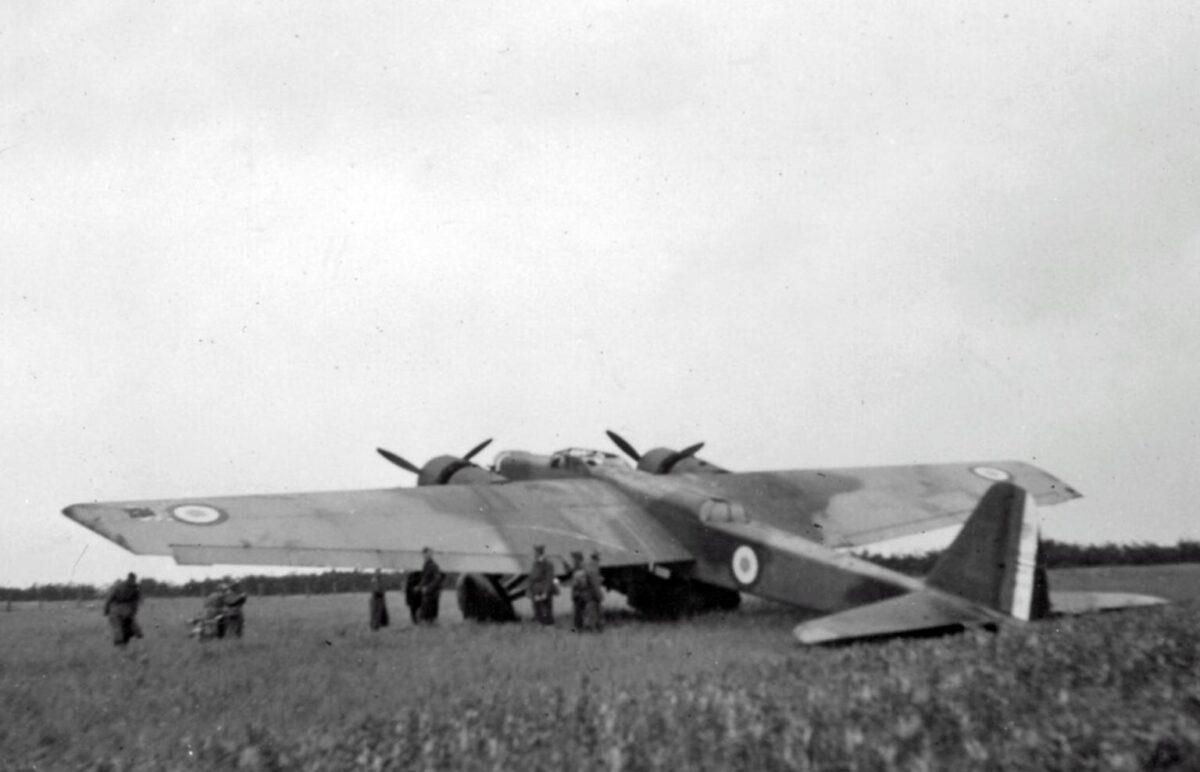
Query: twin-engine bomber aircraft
point(675, 534)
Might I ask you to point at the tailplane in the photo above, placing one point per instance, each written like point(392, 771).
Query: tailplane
point(988, 574)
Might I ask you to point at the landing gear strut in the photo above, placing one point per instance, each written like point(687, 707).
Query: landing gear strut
point(484, 598)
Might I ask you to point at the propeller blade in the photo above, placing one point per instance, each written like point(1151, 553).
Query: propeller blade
point(620, 442)
point(670, 461)
point(398, 461)
point(477, 448)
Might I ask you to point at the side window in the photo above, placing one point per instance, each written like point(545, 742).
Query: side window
point(722, 511)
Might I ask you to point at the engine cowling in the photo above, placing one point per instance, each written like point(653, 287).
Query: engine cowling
point(452, 470)
point(670, 461)
point(666, 460)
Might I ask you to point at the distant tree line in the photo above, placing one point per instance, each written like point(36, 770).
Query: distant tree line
point(1057, 554)
point(291, 584)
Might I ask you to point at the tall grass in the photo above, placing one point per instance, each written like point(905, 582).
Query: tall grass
point(310, 687)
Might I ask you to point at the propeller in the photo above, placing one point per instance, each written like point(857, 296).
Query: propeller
point(670, 461)
point(477, 448)
point(398, 461)
point(407, 465)
point(621, 443)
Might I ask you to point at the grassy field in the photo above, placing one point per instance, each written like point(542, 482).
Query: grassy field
point(311, 688)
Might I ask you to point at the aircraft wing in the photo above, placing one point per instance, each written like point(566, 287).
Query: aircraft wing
point(471, 528)
point(859, 506)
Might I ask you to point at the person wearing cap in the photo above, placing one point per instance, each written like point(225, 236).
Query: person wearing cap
point(431, 587)
point(592, 615)
point(121, 608)
point(232, 602)
point(542, 587)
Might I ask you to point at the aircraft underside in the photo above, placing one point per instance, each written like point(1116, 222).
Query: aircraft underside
point(656, 595)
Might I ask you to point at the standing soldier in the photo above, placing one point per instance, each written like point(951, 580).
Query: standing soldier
point(431, 587)
point(580, 591)
point(412, 595)
point(121, 607)
point(592, 613)
point(542, 587)
point(232, 601)
point(378, 603)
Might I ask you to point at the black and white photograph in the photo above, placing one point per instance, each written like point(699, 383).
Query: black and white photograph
point(599, 386)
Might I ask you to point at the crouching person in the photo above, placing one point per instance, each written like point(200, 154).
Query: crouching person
point(211, 622)
point(232, 601)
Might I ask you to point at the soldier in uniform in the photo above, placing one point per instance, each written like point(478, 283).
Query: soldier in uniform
point(232, 602)
point(431, 587)
point(212, 621)
point(542, 587)
point(378, 603)
point(592, 615)
point(412, 595)
point(121, 607)
point(580, 591)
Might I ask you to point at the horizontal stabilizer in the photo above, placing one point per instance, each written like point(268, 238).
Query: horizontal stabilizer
point(924, 610)
point(1073, 602)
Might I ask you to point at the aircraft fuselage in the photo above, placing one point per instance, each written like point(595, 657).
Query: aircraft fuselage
point(733, 550)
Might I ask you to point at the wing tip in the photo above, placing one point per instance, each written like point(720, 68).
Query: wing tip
point(74, 512)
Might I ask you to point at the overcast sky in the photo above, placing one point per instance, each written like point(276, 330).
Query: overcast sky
point(243, 244)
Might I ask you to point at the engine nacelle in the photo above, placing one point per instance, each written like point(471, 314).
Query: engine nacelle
point(452, 470)
point(668, 461)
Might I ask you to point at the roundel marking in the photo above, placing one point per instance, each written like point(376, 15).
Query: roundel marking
point(197, 514)
point(745, 564)
point(991, 473)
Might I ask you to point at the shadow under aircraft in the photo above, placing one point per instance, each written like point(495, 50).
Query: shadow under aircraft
point(675, 534)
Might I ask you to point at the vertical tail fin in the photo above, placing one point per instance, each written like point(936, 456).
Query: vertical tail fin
point(993, 561)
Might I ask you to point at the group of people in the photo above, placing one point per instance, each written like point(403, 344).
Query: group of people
point(422, 594)
point(587, 589)
point(423, 589)
point(222, 614)
point(223, 609)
